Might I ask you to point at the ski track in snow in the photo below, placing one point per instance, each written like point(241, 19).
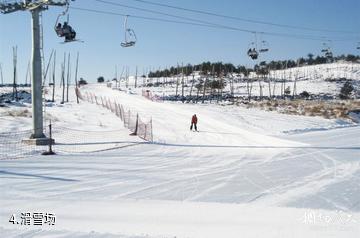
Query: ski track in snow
point(240, 157)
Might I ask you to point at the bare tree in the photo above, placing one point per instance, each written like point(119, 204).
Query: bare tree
point(15, 93)
point(53, 78)
point(193, 81)
point(68, 79)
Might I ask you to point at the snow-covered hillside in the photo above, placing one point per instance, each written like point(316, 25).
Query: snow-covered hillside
point(247, 173)
point(315, 79)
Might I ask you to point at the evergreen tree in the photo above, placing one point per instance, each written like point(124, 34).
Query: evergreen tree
point(346, 90)
point(100, 79)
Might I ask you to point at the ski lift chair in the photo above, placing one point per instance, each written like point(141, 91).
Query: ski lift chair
point(65, 30)
point(264, 47)
point(130, 38)
point(329, 54)
point(253, 54)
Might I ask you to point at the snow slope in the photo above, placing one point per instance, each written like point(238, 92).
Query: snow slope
point(315, 79)
point(242, 175)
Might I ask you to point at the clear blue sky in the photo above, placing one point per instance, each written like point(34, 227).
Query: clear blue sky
point(165, 44)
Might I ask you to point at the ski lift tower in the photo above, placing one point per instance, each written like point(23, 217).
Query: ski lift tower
point(34, 7)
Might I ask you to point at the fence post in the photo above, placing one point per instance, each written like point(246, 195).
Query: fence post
point(136, 125)
point(151, 135)
point(113, 107)
point(116, 109)
point(119, 109)
point(50, 152)
point(129, 114)
point(145, 132)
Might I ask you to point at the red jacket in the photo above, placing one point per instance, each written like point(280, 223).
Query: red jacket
point(194, 119)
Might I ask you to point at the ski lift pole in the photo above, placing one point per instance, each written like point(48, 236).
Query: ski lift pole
point(36, 85)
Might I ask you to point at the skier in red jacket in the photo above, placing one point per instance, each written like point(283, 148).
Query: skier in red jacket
point(194, 122)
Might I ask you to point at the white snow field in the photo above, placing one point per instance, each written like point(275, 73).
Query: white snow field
point(247, 173)
point(315, 79)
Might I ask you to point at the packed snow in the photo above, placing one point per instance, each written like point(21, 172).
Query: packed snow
point(246, 173)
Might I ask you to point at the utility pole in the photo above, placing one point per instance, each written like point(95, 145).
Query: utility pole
point(35, 7)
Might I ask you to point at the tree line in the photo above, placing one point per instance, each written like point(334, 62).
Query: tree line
point(220, 68)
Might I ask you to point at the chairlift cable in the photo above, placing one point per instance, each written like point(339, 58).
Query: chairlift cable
point(244, 19)
point(211, 25)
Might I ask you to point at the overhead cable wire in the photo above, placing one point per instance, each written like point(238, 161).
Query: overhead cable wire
point(322, 38)
point(172, 15)
point(244, 19)
point(213, 25)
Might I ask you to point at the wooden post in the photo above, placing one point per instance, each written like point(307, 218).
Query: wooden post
point(177, 81)
point(15, 95)
point(269, 82)
point(152, 135)
point(182, 83)
point(76, 72)
point(63, 79)
point(127, 77)
point(53, 78)
point(136, 125)
point(50, 152)
point(68, 79)
point(128, 122)
point(47, 69)
point(136, 76)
